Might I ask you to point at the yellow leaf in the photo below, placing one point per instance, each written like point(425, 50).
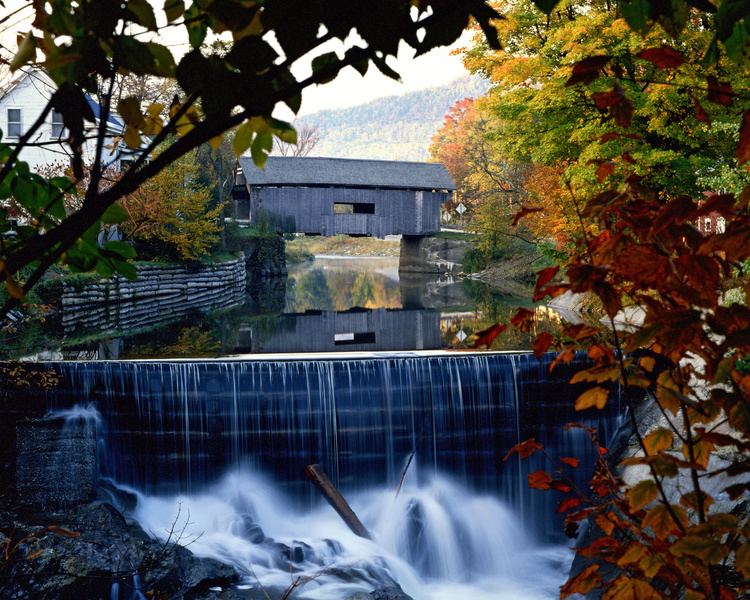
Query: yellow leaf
point(693, 595)
point(154, 110)
point(642, 494)
point(26, 52)
point(597, 374)
point(625, 588)
point(243, 137)
point(647, 363)
point(594, 397)
point(701, 546)
point(667, 392)
point(659, 439)
point(132, 137)
point(130, 110)
point(634, 554)
point(650, 565)
point(215, 142)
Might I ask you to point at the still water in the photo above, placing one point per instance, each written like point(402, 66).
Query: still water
point(328, 305)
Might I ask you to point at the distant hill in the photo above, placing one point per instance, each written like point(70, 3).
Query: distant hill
point(394, 127)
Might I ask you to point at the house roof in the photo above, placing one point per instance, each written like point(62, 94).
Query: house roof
point(346, 172)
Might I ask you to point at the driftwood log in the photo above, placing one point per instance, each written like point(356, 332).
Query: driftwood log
point(336, 500)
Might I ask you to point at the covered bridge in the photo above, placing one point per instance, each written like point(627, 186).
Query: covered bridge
point(332, 196)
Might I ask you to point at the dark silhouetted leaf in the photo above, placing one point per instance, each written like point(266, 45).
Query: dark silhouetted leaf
point(587, 70)
point(664, 57)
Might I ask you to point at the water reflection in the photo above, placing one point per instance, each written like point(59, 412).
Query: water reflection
point(324, 306)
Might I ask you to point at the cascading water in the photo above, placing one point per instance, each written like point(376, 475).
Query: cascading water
point(202, 433)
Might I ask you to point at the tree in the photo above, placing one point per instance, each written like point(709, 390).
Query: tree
point(169, 215)
point(308, 137)
point(87, 45)
point(641, 103)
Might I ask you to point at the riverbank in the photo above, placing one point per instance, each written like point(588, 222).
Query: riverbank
point(306, 247)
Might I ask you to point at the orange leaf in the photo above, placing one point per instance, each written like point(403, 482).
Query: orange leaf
point(524, 319)
point(487, 336)
point(542, 343)
point(661, 522)
point(625, 588)
point(57, 530)
point(742, 559)
point(647, 363)
point(605, 524)
point(539, 480)
point(583, 583)
point(567, 504)
point(15, 290)
point(524, 449)
point(700, 546)
point(664, 57)
point(570, 461)
point(525, 210)
point(596, 396)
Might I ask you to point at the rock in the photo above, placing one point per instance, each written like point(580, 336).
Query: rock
point(387, 593)
point(88, 549)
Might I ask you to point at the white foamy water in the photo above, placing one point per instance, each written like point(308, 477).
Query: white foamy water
point(439, 541)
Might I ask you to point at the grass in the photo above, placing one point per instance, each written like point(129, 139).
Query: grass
point(457, 235)
point(342, 245)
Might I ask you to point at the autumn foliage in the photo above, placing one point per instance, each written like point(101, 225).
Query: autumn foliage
point(642, 122)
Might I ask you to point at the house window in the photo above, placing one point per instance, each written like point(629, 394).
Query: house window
point(721, 225)
point(57, 124)
point(14, 122)
point(707, 225)
point(353, 208)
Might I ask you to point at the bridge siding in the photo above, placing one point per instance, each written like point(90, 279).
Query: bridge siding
point(300, 209)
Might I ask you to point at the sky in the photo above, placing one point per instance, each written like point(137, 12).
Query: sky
point(435, 68)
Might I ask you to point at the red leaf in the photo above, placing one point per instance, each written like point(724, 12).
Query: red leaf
point(525, 210)
point(700, 112)
point(605, 99)
point(743, 148)
point(524, 449)
point(570, 461)
point(604, 170)
point(486, 336)
point(543, 277)
point(587, 70)
point(524, 319)
point(626, 156)
point(567, 504)
point(560, 486)
point(539, 480)
point(664, 57)
point(542, 343)
point(719, 92)
point(617, 103)
point(608, 137)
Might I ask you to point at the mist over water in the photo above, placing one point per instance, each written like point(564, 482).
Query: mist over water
point(439, 540)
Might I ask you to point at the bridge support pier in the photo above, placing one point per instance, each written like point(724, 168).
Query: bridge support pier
point(430, 254)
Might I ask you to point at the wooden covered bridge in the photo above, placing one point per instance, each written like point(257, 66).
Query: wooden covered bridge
point(335, 196)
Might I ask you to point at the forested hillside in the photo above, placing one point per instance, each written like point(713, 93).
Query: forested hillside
point(395, 127)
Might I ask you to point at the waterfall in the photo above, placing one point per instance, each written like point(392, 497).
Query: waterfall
point(228, 440)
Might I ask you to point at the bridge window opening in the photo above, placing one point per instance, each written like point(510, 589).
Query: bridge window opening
point(345, 339)
point(353, 208)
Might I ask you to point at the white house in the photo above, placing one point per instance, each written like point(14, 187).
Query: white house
point(23, 101)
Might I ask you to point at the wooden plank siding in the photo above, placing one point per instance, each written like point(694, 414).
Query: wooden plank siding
point(310, 210)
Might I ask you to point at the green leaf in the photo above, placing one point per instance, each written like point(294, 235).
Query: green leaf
point(26, 52)
point(196, 25)
point(122, 249)
point(636, 14)
point(323, 62)
point(114, 214)
point(174, 9)
point(243, 137)
point(546, 6)
point(143, 13)
point(261, 148)
point(284, 131)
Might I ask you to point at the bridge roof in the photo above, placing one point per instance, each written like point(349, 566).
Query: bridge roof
point(347, 172)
